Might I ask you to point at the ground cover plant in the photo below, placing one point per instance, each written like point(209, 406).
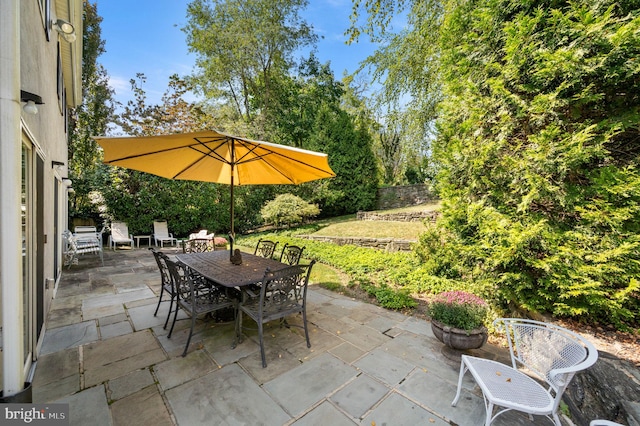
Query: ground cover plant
point(395, 280)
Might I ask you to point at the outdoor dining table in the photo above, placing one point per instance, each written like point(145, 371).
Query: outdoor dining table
point(216, 267)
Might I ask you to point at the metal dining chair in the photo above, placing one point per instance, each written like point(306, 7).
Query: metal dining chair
point(198, 245)
point(282, 293)
point(291, 254)
point(265, 248)
point(197, 296)
point(167, 282)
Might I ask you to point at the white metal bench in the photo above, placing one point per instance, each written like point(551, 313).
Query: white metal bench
point(540, 353)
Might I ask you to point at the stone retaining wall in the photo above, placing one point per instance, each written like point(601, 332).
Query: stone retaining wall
point(392, 197)
point(399, 217)
point(387, 244)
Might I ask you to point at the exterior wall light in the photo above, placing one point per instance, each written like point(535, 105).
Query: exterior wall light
point(65, 29)
point(31, 100)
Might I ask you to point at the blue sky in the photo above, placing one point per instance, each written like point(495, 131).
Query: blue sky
point(144, 36)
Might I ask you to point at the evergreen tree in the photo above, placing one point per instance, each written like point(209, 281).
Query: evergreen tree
point(351, 158)
point(539, 149)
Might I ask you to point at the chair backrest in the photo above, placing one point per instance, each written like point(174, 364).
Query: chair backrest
point(284, 291)
point(265, 248)
point(160, 228)
point(551, 352)
point(84, 229)
point(291, 254)
point(161, 260)
point(203, 233)
point(180, 276)
point(70, 242)
point(119, 231)
point(198, 245)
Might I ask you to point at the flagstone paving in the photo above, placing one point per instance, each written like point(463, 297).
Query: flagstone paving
point(108, 357)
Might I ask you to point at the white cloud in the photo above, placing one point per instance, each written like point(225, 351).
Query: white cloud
point(119, 84)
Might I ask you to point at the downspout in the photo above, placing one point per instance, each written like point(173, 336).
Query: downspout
point(10, 178)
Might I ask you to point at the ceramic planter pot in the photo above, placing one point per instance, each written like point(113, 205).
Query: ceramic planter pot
point(456, 338)
point(22, 397)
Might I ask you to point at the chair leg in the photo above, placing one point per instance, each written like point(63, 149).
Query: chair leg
point(489, 407)
point(193, 323)
point(306, 330)
point(261, 336)
point(463, 370)
point(175, 316)
point(169, 313)
point(159, 300)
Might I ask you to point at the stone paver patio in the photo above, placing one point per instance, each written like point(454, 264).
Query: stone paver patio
point(106, 355)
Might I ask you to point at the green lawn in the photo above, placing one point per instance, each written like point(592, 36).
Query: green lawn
point(373, 229)
point(348, 226)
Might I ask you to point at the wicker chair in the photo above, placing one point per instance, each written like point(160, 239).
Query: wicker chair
point(550, 353)
point(282, 293)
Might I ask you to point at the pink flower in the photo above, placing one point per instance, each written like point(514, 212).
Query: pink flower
point(458, 297)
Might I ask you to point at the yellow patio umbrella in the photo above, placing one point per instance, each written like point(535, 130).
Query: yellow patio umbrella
point(212, 156)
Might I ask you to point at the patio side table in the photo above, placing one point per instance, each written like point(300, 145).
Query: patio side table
point(139, 237)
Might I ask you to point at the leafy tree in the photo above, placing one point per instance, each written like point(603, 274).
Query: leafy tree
point(389, 150)
point(539, 149)
point(89, 119)
point(243, 48)
point(140, 198)
point(297, 100)
point(407, 67)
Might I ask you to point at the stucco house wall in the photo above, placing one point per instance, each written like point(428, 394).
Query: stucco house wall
point(34, 59)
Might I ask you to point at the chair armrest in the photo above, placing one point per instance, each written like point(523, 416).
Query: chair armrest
point(591, 359)
point(250, 293)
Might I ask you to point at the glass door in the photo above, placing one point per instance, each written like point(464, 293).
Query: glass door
point(26, 209)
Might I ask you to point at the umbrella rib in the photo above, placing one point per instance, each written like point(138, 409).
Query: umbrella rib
point(144, 154)
point(264, 158)
point(211, 152)
point(206, 153)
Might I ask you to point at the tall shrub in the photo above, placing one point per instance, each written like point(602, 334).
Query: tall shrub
point(351, 158)
point(539, 148)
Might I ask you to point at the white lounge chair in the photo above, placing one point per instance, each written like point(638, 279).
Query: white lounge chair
point(120, 235)
point(161, 233)
point(202, 234)
point(75, 246)
point(549, 353)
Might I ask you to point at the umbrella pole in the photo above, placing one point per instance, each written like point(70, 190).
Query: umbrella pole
point(232, 234)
